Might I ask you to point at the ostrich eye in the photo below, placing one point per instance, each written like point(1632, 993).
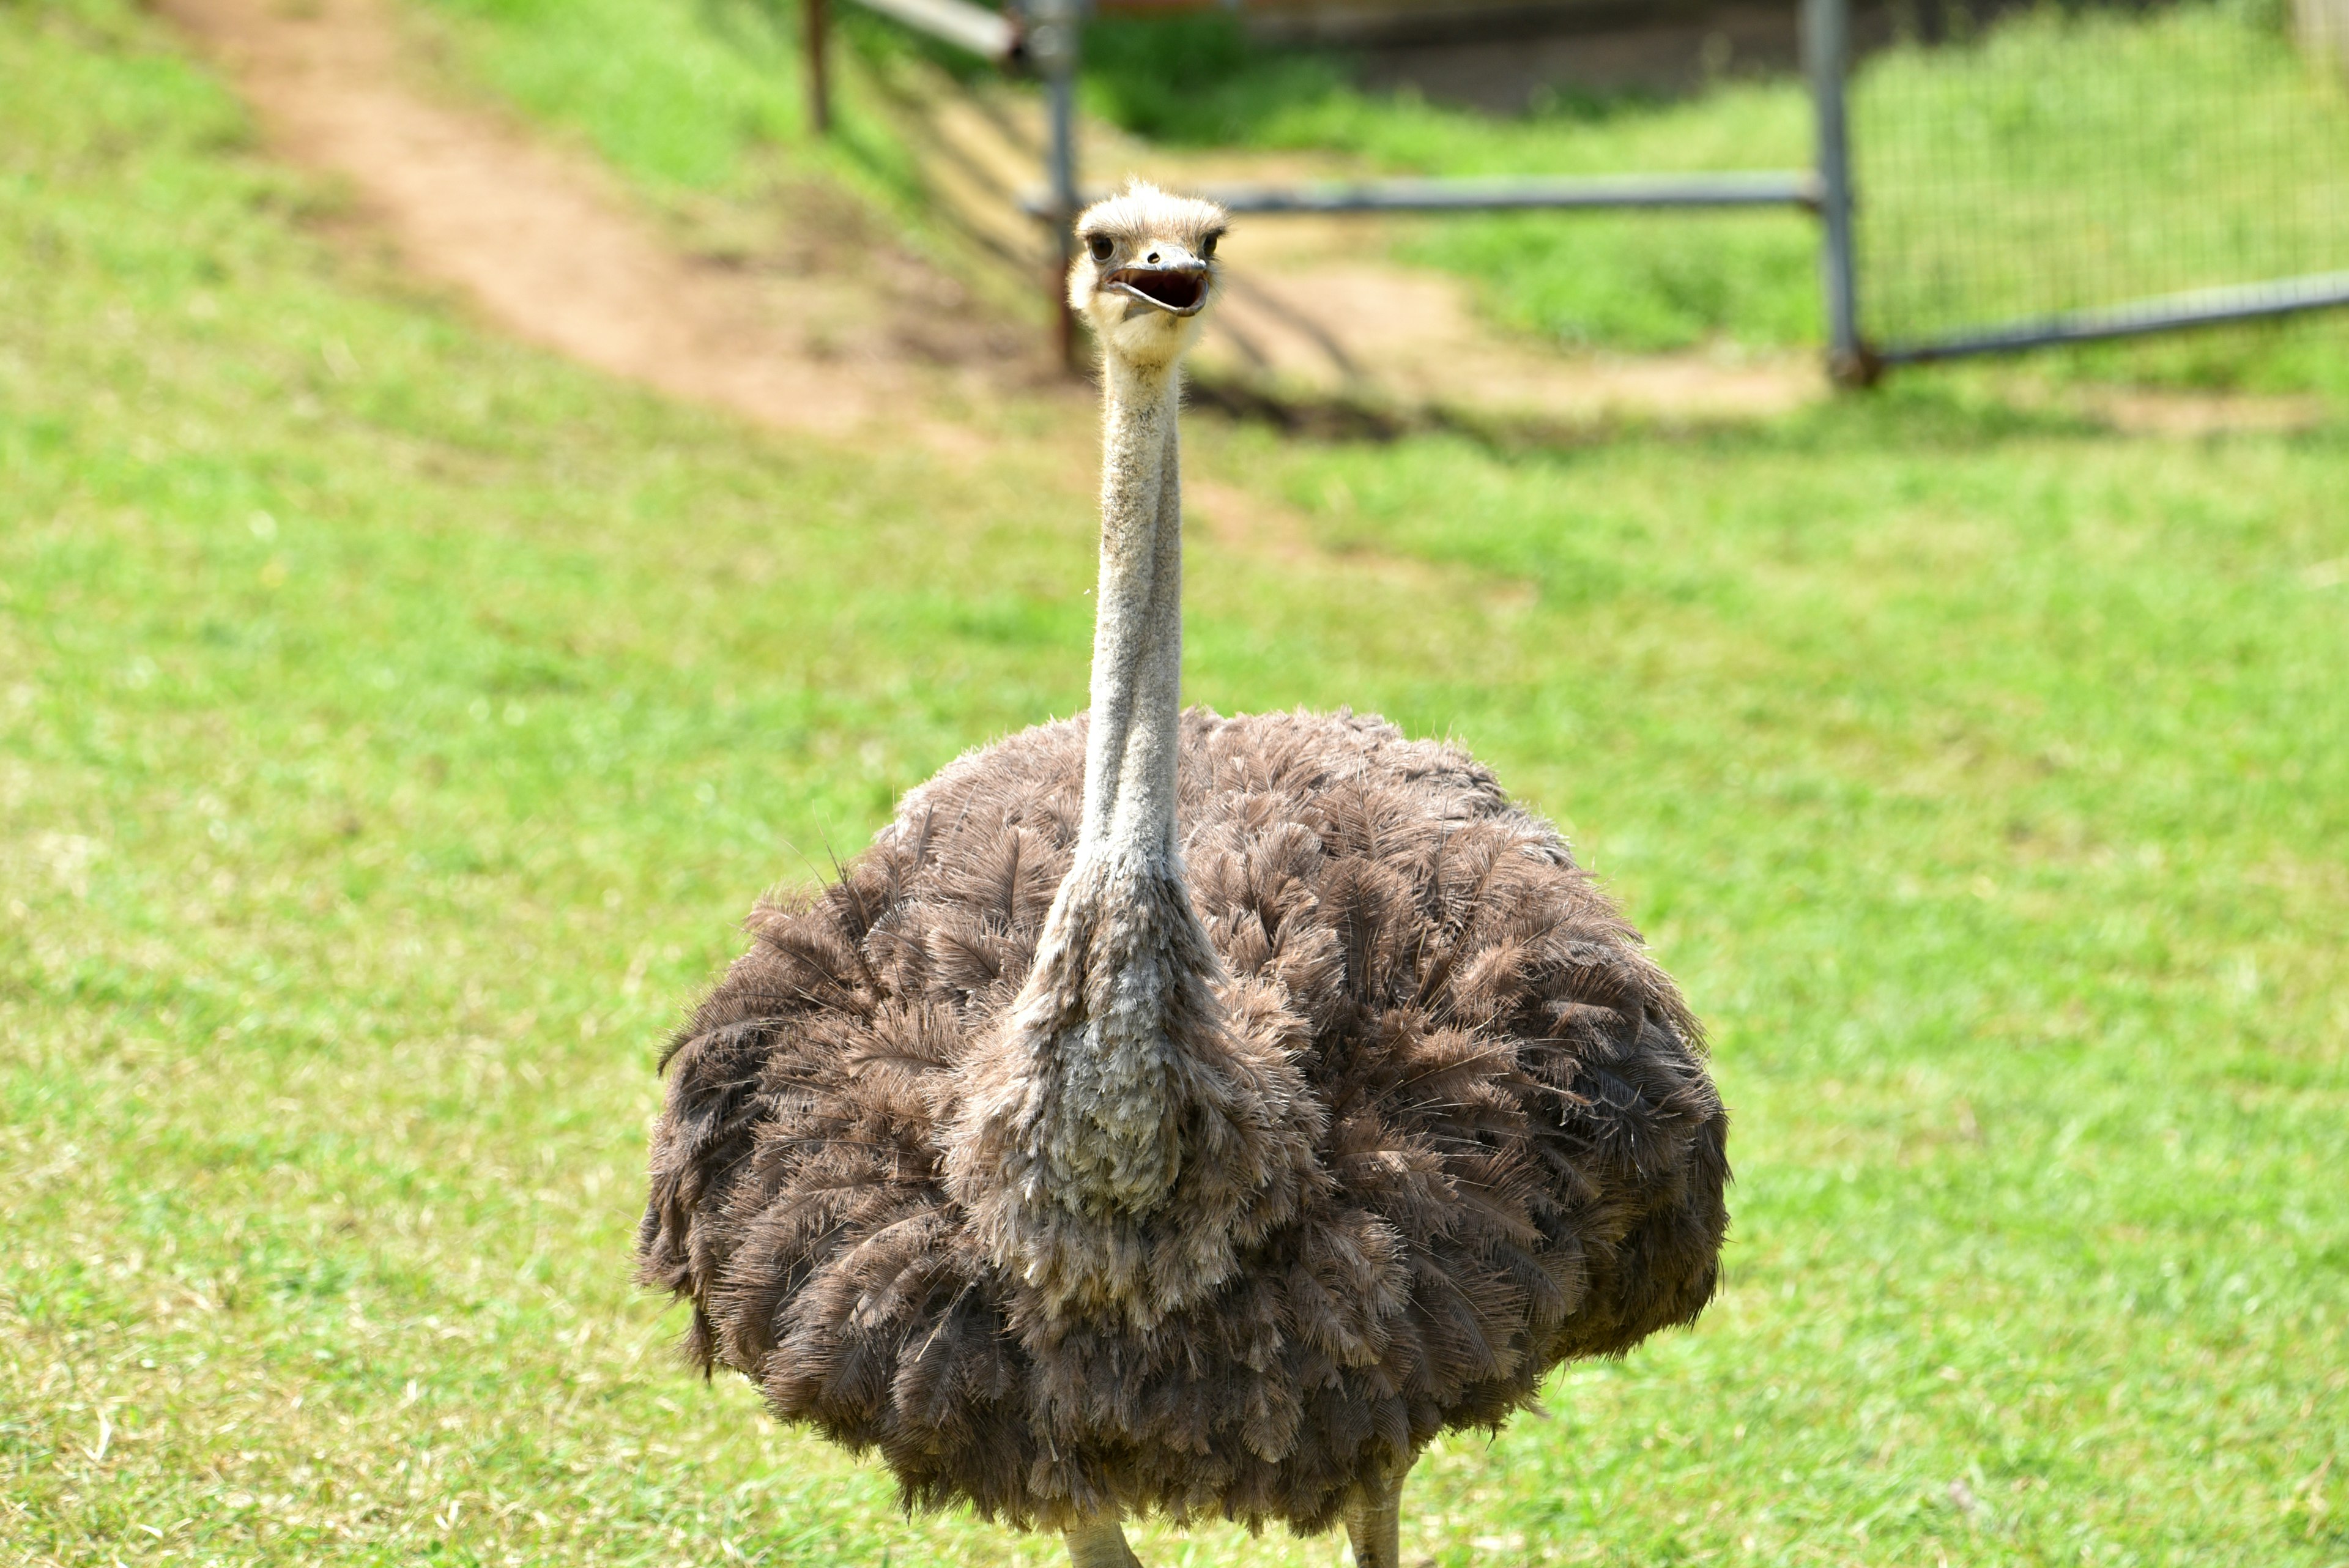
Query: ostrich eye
point(1101, 247)
point(1207, 246)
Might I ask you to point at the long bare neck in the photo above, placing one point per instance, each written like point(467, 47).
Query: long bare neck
point(1115, 1078)
point(1137, 677)
point(1121, 985)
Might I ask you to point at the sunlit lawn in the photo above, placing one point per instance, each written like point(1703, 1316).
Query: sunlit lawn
point(393, 722)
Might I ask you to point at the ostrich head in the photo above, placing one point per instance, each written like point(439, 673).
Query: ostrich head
point(1145, 269)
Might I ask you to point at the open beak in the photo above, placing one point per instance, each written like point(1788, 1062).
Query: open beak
point(1171, 280)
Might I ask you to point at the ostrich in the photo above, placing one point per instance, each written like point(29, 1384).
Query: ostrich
point(1181, 1114)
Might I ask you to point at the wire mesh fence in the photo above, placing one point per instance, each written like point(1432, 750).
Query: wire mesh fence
point(2057, 164)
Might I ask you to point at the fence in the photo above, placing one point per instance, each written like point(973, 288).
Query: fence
point(2067, 176)
point(1043, 35)
point(2060, 177)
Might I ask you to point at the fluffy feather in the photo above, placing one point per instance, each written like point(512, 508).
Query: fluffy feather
point(1466, 1132)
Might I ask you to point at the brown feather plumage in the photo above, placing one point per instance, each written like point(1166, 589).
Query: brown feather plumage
point(1507, 1150)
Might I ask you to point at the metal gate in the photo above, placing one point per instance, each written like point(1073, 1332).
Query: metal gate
point(2074, 174)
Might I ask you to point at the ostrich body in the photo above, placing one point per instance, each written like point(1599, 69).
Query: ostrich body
point(1178, 1112)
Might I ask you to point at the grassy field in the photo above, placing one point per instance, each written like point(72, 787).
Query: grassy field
point(394, 722)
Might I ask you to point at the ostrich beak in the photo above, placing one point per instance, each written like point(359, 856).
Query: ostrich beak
point(1168, 277)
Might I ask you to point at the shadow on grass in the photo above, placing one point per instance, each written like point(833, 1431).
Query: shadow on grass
point(1924, 412)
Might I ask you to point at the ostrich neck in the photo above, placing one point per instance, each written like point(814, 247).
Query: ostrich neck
point(1076, 1116)
point(1120, 991)
point(1130, 758)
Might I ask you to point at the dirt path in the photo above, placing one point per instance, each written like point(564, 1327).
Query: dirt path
point(544, 246)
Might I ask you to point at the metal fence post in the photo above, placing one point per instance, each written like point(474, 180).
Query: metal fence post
point(1826, 50)
point(815, 24)
point(1052, 37)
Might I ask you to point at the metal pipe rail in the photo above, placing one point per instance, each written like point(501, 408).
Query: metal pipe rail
point(2164, 313)
point(1826, 60)
point(989, 35)
point(1757, 188)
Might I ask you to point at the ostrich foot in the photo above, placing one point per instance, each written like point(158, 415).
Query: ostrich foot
point(1374, 1522)
point(1101, 1543)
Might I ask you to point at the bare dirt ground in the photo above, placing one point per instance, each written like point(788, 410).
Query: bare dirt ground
point(544, 246)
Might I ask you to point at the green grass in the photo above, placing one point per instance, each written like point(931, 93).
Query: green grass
point(688, 97)
point(729, 60)
point(393, 722)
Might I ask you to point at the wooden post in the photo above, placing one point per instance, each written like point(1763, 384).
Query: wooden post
point(815, 23)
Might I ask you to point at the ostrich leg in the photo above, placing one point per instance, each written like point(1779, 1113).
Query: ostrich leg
point(1101, 1543)
point(1375, 1522)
